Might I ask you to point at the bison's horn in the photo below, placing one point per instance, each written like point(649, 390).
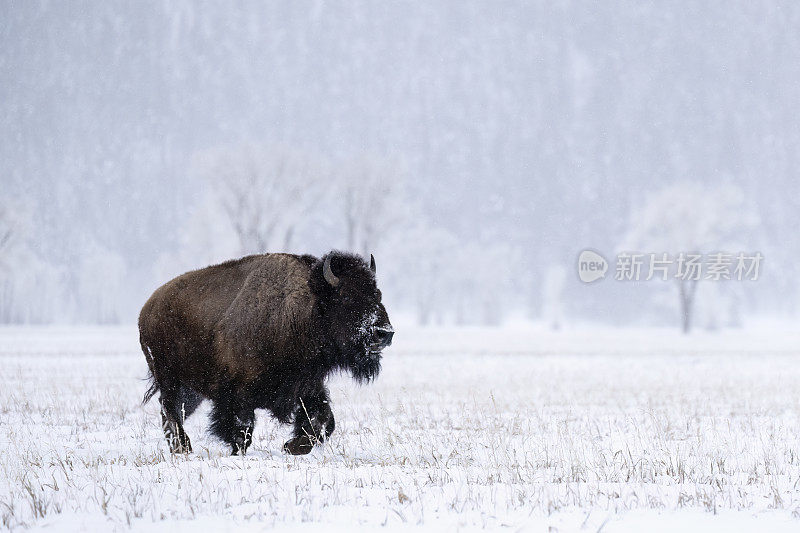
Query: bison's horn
point(372, 263)
point(330, 277)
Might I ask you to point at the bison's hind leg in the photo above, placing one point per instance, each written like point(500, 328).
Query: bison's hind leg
point(176, 407)
point(233, 423)
point(177, 439)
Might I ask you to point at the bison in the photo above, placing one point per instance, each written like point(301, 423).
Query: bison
point(262, 332)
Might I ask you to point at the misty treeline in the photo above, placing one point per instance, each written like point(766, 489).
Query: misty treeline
point(261, 198)
point(271, 198)
point(475, 148)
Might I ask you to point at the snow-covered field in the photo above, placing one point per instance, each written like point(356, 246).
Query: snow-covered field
point(514, 428)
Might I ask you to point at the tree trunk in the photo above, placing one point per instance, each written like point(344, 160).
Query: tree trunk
point(287, 239)
point(351, 233)
point(686, 289)
point(423, 313)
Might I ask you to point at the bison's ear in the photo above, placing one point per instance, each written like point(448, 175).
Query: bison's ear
point(372, 263)
point(330, 277)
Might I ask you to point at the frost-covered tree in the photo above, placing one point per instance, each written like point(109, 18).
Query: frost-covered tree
point(101, 285)
point(11, 258)
point(444, 279)
point(484, 282)
point(10, 235)
point(689, 218)
point(29, 289)
point(428, 263)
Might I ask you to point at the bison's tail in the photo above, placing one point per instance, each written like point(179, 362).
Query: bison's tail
point(151, 391)
point(153, 388)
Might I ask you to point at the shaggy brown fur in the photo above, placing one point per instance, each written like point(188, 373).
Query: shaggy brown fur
point(263, 331)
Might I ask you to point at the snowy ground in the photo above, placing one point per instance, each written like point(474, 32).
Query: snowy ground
point(514, 429)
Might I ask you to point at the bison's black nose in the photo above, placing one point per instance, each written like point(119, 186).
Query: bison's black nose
point(384, 336)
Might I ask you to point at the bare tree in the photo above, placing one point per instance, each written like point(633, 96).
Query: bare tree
point(264, 193)
point(372, 197)
point(688, 218)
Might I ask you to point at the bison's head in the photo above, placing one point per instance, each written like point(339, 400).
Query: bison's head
point(356, 320)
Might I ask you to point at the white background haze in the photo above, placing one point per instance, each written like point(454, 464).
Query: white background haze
point(472, 147)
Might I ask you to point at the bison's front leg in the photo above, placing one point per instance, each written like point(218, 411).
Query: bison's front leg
point(313, 422)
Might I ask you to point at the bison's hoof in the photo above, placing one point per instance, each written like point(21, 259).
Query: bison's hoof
point(299, 445)
point(180, 451)
point(178, 448)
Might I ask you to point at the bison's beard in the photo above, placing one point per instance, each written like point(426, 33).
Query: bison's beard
point(366, 366)
point(356, 356)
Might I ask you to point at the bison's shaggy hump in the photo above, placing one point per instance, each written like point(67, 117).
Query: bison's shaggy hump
point(262, 331)
point(234, 318)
